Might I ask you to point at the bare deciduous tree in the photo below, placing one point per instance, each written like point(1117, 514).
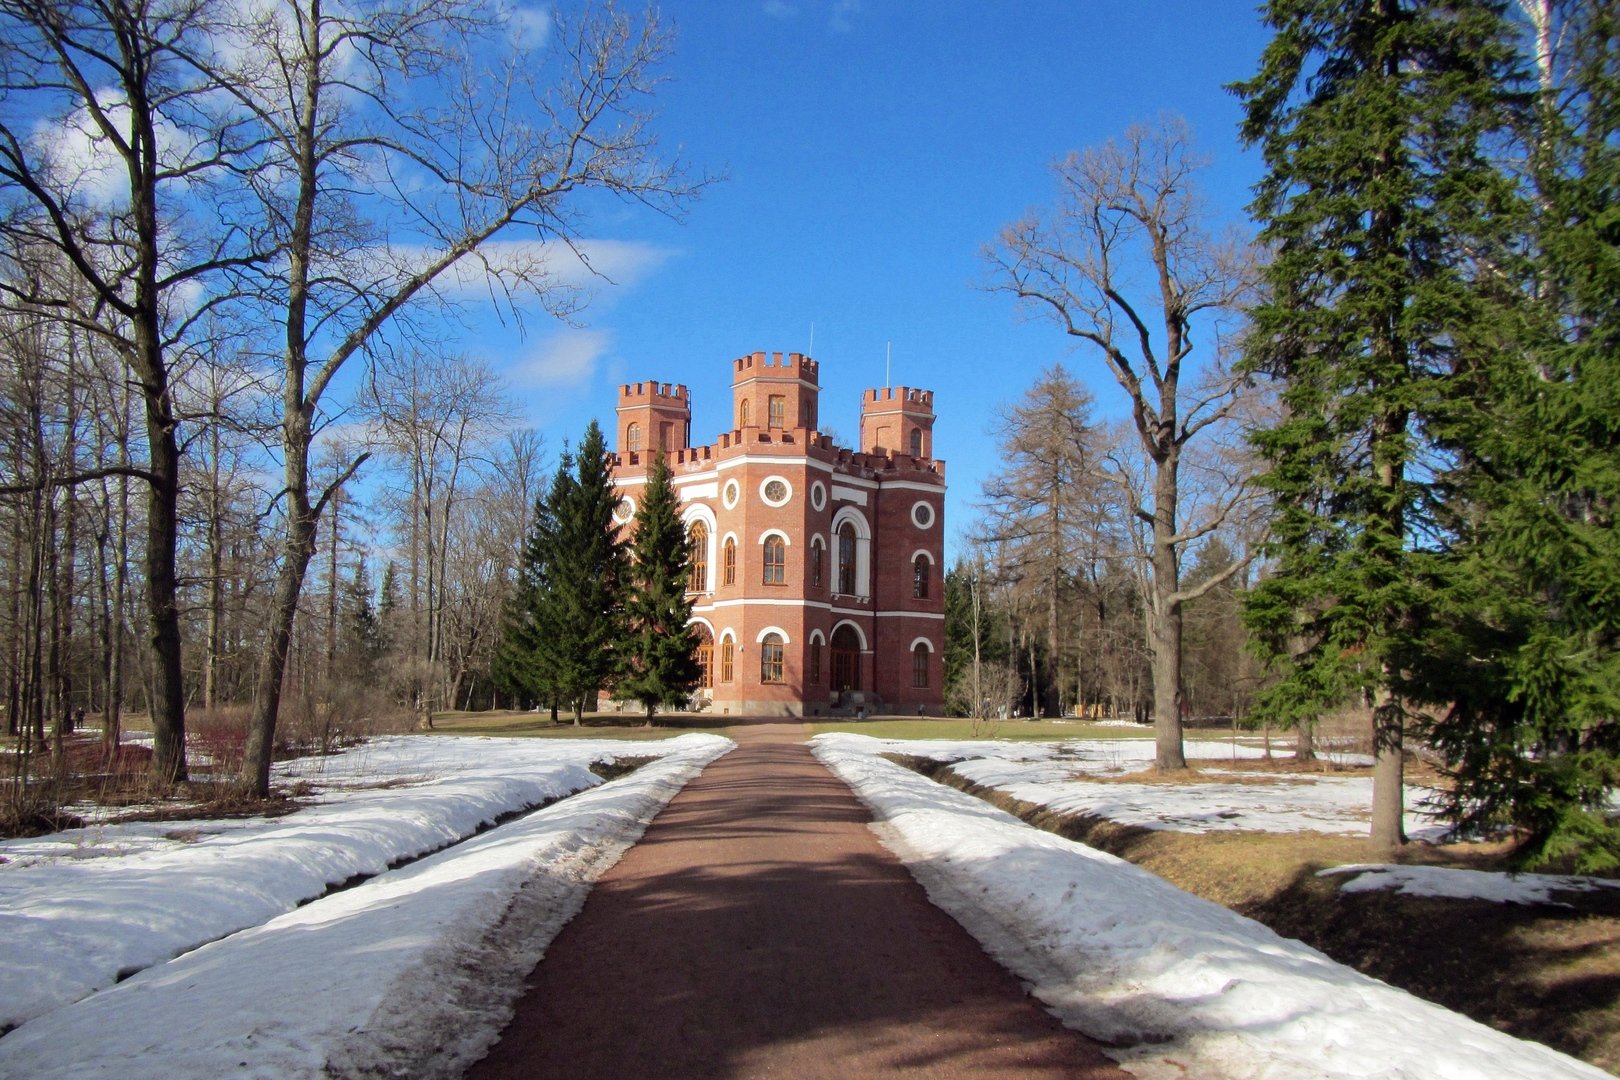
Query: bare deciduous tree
point(426, 118)
point(1124, 264)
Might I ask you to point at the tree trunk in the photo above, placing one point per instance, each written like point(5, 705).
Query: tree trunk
point(1164, 625)
point(1389, 782)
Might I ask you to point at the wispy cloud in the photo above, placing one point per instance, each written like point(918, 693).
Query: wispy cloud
point(568, 358)
point(780, 9)
point(530, 27)
point(843, 15)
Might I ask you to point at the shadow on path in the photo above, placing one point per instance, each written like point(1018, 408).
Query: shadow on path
point(759, 927)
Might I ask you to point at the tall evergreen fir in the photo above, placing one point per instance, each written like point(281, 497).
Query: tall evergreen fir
point(562, 628)
point(1379, 205)
point(580, 620)
point(657, 659)
point(521, 666)
point(1530, 667)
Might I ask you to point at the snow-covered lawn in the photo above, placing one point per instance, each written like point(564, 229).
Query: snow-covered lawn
point(1064, 777)
point(1182, 986)
point(417, 964)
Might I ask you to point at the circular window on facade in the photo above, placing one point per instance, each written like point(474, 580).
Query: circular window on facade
point(818, 495)
point(922, 515)
point(624, 510)
point(775, 491)
point(732, 492)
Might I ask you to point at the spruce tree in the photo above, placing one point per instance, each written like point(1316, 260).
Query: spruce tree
point(1379, 205)
point(1529, 663)
point(521, 666)
point(657, 658)
point(578, 615)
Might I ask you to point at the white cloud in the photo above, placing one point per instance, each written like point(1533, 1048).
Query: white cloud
point(843, 14)
point(529, 27)
point(568, 358)
point(780, 9)
point(596, 264)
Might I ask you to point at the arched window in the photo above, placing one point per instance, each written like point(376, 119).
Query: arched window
point(770, 659)
point(705, 656)
point(916, 442)
point(776, 411)
point(742, 413)
point(813, 675)
point(919, 665)
point(698, 579)
point(919, 577)
point(728, 562)
point(728, 650)
point(818, 552)
point(846, 558)
point(632, 438)
point(775, 561)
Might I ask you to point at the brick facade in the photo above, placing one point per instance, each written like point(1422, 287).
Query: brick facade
point(817, 605)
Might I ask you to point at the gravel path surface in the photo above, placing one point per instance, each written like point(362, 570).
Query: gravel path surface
point(759, 929)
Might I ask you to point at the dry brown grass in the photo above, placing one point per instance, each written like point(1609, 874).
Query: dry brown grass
point(1547, 972)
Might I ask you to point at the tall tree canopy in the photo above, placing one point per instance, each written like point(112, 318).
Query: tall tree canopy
point(1525, 665)
point(1383, 212)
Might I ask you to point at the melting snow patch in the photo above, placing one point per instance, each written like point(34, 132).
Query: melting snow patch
point(1453, 884)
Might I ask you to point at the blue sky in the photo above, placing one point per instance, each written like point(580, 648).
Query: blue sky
point(871, 149)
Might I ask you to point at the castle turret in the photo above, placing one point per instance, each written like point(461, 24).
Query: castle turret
point(653, 416)
point(768, 391)
point(898, 420)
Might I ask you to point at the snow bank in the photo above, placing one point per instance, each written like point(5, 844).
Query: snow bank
point(412, 973)
point(1178, 985)
point(81, 909)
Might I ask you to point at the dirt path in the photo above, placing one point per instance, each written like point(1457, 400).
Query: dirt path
point(760, 929)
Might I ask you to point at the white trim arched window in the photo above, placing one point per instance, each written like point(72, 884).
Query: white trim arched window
point(852, 553)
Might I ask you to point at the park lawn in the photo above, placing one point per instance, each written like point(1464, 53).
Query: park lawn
point(515, 723)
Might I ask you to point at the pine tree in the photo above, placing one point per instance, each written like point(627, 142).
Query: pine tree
point(657, 658)
point(1380, 206)
point(1530, 665)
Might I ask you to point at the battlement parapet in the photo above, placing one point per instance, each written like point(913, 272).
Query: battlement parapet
point(792, 366)
point(667, 395)
point(898, 395)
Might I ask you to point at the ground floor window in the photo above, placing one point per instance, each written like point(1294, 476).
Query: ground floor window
point(814, 675)
point(770, 659)
point(919, 665)
point(727, 650)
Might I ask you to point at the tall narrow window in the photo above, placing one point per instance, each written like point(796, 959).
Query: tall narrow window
point(743, 419)
point(632, 438)
point(728, 563)
point(776, 410)
point(818, 554)
point(698, 579)
point(775, 561)
point(919, 665)
point(814, 674)
point(916, 442)
point(728, 649)
point(846, 559)
point(770, 659)
point(705, 659)
point(919, 578)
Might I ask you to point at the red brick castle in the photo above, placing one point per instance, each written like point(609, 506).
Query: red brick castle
point(818, 573)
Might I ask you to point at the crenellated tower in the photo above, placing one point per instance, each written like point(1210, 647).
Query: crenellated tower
point(653, 416)
point(898, 420)
point(770, 391)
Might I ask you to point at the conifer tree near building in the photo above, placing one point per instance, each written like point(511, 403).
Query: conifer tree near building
point(657, 658)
